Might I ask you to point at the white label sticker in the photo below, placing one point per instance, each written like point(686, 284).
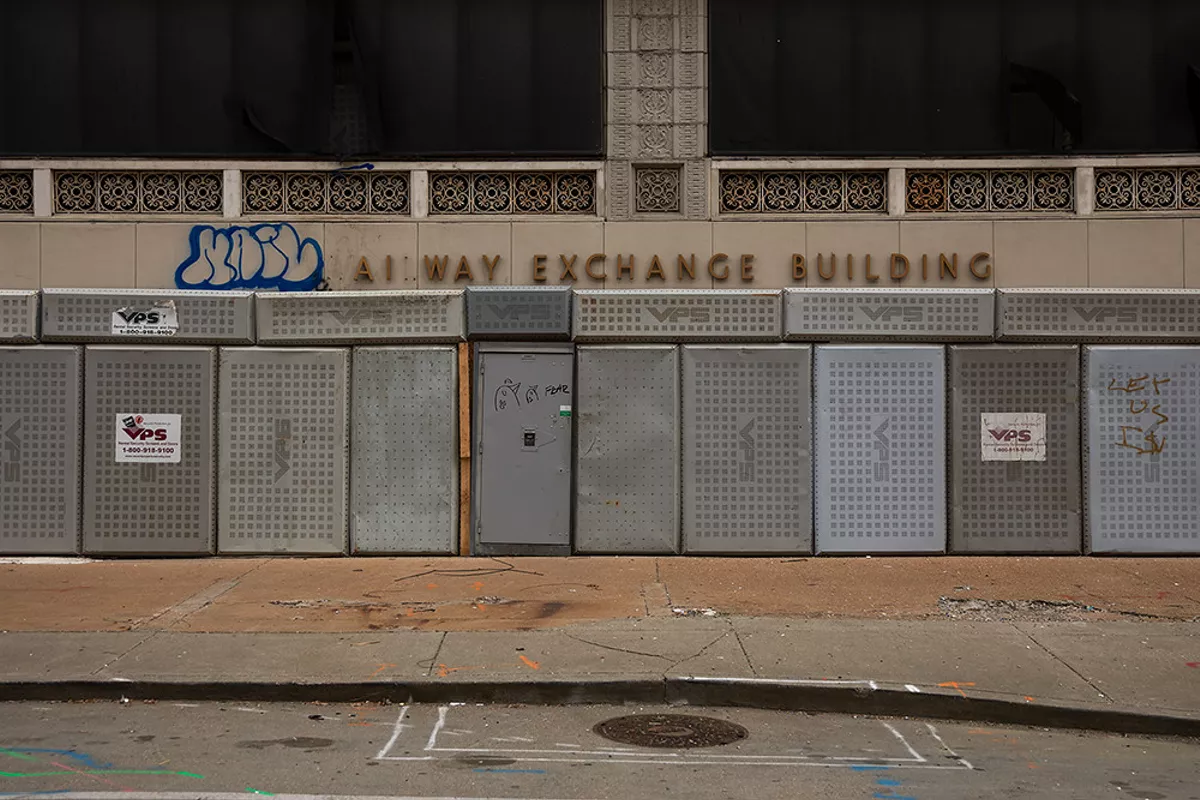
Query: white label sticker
point(1013, 437)
point(149, 437)
point(159, 319)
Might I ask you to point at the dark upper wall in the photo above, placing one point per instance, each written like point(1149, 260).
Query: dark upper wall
point(934, 76)
point(400, 78)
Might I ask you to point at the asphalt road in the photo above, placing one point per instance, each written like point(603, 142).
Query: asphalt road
point(214, 750)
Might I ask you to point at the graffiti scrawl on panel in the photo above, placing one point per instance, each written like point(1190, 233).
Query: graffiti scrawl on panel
point(265, 256)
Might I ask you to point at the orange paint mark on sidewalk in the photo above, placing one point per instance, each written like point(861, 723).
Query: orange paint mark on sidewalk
point(477, 585)
point(443, 671)
point(1029, 699)
point(530, 664)
point(431, 586)
point(955, 685)
point(382, 667)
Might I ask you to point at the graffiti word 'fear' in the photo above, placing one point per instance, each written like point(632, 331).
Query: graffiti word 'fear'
point(266, 256)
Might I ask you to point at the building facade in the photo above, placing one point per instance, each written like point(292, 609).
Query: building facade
point(626, 143)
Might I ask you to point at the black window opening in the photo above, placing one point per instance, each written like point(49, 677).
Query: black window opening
point(947, 77)
point(302, 78)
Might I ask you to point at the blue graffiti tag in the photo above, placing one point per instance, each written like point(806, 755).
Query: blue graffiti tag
point(265, 256)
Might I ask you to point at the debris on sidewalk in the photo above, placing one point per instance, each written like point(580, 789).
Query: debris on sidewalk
point(694, 612)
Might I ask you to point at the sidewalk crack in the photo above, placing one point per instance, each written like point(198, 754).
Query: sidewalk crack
point(121, 656)
point(616, 649)
point(742, 645)
point(1048, 652)
point(198, 601)
point(699, 652)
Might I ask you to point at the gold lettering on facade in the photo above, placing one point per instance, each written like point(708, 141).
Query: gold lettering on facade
point(688, 266)
point(821, 266)
point(491, 265)
point(623, 268)
point(945, 265)
point(986, 261)
point(656, 270)
point(568, 267)
point(364, 271)
point(437, 269)
point(799, 271)
point(592, 259)
point(925, 267)
point(870, 276)
point(388, 265)
point(747, 267)
point(539, 267)
point(894, 267)
point(464, 270)
point(718, 258)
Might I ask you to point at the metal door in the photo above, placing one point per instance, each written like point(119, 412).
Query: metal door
point(523, 423)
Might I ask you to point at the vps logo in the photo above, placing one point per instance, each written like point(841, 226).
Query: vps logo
point(679, 314)
point(746, 451)
point(1106, 314)
point(881, 442)
point(893, 313)
point(367, 316)
point(12, 452)
point(1011, 435)
point(134, 317)
point(283, 448)
point(134, 430)
point(519, 311)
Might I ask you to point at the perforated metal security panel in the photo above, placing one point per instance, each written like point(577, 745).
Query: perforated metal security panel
point(18, 316)
point(1099, 315)
point(1015, 506)
point(404, 446)
point(924, 314)
point(1142, 449)
point(419, 315)
point(524, 406)
point(283, 451)
point(86, 315)
point(881, 454)
point(747, 449)
point(678, 315)
point(627, 449)
point(149, 508)
point(530, 312)
point(41, 404)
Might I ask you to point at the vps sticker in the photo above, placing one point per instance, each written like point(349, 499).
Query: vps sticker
point(159, 319)
point(1013, 437)
point(145, 438)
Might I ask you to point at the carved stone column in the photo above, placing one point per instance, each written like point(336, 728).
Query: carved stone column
point(657, 121)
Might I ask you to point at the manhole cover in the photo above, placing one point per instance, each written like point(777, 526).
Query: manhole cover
point(670, 730)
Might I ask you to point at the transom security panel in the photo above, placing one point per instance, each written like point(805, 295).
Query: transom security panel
point(41, 399)
point(148, 456)
point(18, 316)
point(161, 316)
point(283, 460)
point(1142, 435)
point(1015, 476)
point(924, 314)
point(1099, 315)
point(418, 315)
point(747, 449)
point(881, 449)
point(404, 450)
point(528, 312)
point(677, 315)
point(524, 406)
point(627, 473)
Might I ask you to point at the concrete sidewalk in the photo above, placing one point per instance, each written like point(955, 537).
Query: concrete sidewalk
point(1101, 643)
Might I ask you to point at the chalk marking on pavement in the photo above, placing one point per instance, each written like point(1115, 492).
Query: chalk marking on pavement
point(942, 742)
point(230, 796)
point(437, 727)
point(912, 688)
point(396, 729)
point(511, 739)
point(903, 741)
point(251, 710)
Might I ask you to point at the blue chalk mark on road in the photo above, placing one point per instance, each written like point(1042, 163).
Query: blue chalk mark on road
point(881, 796)
point(868, 768)
point(82, 758)
point(887, 782)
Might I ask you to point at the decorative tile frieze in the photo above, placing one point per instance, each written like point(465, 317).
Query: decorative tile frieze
point(996, 190)
point(325, 193)
point(1148, 189)
point(657, 189)
point(795, 192)
point(137, 192)
point(486, 193)
point(16, 191)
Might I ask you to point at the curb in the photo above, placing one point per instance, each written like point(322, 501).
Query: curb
point(784, 695)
